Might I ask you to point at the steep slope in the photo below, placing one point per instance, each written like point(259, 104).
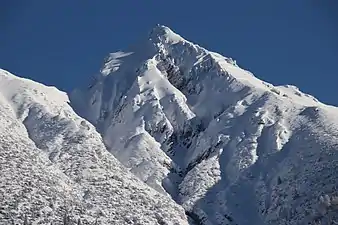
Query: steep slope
point(54, 165)
point(228, 147)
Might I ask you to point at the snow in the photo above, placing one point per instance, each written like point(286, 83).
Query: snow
point(225, 135)
point(165, 34)
point(52, 161)
point(190, 124)
point(113, 61)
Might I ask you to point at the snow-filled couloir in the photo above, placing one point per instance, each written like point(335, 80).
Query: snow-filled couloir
point(228, 147)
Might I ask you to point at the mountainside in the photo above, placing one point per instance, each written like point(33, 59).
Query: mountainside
point(55, 167)
point(228, 147)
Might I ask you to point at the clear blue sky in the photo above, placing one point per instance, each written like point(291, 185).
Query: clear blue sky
point(62, 43)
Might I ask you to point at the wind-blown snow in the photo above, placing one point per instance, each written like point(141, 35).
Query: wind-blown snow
point(113, 61)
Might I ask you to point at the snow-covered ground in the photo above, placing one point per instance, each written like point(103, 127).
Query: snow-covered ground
point(190, 123)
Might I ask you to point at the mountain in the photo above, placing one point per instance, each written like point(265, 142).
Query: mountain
point(226, 146)
point(166, 133)
point(55, 168)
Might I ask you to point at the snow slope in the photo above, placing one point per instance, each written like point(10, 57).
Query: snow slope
point(228, 147)
point(54, 165)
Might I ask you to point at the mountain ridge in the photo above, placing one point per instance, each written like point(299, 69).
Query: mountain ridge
point(56, 167)
point(191, 124)
point(207, 114)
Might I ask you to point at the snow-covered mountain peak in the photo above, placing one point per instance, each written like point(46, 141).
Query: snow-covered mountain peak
point(193, 124)
point(168, 119)
point(164, 34)
point(165, 46)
